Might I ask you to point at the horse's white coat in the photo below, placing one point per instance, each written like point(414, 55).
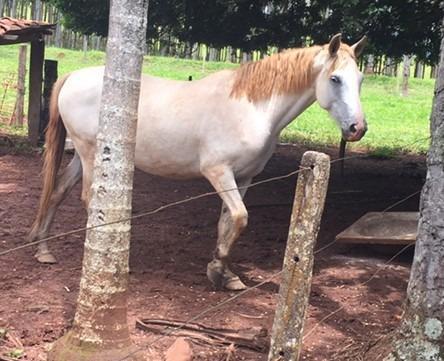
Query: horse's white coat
point(195, 129)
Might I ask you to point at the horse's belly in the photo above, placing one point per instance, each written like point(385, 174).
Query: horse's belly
point(167, 159)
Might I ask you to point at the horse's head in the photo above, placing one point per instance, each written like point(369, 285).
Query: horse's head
point(338, 86)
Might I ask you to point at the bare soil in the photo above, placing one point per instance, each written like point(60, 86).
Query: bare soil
point(170, 251)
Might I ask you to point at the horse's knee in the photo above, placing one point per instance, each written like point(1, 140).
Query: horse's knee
point(240, 220)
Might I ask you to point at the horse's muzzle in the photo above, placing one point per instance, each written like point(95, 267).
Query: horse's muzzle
point(355, 132)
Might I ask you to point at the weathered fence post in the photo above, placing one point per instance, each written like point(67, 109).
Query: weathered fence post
point(35, 89)
point(20, 100)
point(311, 189)
point(50, 78)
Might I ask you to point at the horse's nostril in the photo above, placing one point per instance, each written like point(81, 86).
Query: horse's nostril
point(353, 128)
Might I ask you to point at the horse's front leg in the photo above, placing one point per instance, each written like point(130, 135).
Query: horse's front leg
point(233, 220)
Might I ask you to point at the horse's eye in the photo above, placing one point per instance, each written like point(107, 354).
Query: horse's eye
point(335, 79)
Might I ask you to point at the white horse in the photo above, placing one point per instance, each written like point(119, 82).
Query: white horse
point(223, 127)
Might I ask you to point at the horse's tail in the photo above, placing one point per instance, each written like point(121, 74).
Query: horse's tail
point(54, 147)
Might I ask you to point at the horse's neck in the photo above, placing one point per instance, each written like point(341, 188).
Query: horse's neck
point(282, 109)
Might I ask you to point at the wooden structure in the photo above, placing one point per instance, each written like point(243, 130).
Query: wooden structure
point(294, 290)
point(14, 31)
point(389, 228)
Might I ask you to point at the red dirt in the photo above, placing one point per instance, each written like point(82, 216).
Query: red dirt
point(170, 251)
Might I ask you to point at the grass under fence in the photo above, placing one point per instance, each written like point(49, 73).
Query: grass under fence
point(397, 124)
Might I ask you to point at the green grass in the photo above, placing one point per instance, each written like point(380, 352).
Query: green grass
point(396, 124)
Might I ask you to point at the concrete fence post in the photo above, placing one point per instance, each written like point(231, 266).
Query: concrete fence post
point(311, 190)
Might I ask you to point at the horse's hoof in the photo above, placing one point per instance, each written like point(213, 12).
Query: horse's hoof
point(221, 277)
point(46, 257)
point(234, 284)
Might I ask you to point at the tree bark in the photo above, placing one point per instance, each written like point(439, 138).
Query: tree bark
point(295, 285)
point(100, 329)
point(14, 9)
point(406, 75)
point(58, 31)
point(369, 65)
point(421, 334)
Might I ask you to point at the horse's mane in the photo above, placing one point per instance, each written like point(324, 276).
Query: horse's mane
point(282, 73)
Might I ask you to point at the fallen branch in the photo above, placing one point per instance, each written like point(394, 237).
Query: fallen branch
point(254, 338)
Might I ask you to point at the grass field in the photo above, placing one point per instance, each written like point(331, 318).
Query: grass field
point(396, 124)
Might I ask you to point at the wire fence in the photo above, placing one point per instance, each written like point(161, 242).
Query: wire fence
point(8, 89)
point(168, 331)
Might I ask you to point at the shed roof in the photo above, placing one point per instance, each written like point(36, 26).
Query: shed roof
point(13, 31)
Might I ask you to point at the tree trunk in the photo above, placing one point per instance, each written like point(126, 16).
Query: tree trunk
point(369, 64)
point(58, 31)
point(100, 329)
point(2, 5)
point(37, 10)
point(421, 334)
point(419, 70)
point(389, 67)
point(212, 54)
point(14, 9)
point(406, 74)
point(85, 46)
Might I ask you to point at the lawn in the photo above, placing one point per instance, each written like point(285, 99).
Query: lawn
point(396, 124)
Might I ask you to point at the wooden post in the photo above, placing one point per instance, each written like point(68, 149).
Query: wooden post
point(35, 89)
point(49, 80)
point(342, 147)
point(311, 189)
point(20, 100)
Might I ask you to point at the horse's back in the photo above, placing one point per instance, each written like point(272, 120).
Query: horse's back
point(182, 126)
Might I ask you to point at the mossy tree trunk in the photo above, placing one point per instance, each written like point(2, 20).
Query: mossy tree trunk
point(100, 330)
point(421, 334)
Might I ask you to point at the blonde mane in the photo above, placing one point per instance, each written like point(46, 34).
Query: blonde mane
point(281, 73)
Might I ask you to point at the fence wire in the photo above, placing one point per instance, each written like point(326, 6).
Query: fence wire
point(170, 330)
point(8, 88)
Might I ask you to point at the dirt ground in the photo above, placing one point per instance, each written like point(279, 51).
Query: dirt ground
point(171, 249)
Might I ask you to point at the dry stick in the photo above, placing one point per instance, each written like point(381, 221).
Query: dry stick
point(309, 200)
point(169, 331)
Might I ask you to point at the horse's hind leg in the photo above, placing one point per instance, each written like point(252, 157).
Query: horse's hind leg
point(233, 220)
point(65, 182)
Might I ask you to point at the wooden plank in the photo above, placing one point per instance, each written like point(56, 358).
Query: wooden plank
point(389, 228)
point(35, 90)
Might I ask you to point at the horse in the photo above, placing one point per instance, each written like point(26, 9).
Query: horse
point(223, 127)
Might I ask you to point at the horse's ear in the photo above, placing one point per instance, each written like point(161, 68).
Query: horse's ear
point(334, 44)
point(359, 46)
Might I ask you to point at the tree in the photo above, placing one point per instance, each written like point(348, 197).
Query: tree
point(100, 330)
point(420, 336)
point(394, 27)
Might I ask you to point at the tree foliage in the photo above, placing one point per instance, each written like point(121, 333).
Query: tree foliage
point(394, 27)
